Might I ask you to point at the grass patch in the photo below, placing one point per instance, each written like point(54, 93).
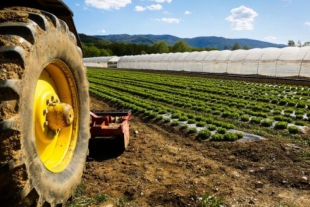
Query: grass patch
point(208, 200)
point(80, 200)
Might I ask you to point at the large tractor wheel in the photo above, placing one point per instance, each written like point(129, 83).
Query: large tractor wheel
point(44, 109)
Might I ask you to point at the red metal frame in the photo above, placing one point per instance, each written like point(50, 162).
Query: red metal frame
point(110, 124)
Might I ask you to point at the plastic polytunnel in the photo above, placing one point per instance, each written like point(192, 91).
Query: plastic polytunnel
point(251, 62)
point(125, 62)
point(165, 61)
point(220, 62)
point(190, 64)
point(178, 61)
point(101, 62)
point(276, 62)
point(96, 59)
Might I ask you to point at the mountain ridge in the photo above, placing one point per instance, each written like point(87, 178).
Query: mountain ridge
point(198, 42)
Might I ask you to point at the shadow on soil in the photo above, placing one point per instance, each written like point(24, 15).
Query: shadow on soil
point(101, 149)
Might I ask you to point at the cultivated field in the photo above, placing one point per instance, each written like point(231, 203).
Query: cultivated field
point(213, 107)
point(183, 142)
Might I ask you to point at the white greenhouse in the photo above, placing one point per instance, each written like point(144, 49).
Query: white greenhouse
point(99, 62)
point(276, 62)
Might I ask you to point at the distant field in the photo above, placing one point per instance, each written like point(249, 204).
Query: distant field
point(214, 106)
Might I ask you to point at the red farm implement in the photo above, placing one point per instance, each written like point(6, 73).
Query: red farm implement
point(109, 129)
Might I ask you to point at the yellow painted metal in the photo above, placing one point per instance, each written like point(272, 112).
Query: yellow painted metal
point(59, 116)
point(55, 147)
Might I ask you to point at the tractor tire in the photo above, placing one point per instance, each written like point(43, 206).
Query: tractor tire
point(40, 65)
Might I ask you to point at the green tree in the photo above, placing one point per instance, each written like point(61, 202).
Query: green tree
point(291, 43)
point(160, 47)
point(299, 43)
point(211, 48)
point(306, 44)
point(245, 47)
point(90, 50)
point(181, 46)
point(236, 46)
point(104, 52)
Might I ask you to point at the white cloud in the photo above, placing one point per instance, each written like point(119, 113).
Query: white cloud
point(187, 12)
point(307, 23)
point(154, 7)
point(103, 31)
point(270, 39)
point(107, 4)
point(167, 12)
point(162, 1)
point(140, 8)
point(77, 4)
point(242, 18)
point(169, 20)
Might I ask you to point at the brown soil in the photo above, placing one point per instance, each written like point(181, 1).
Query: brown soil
point(164, 167)
point(13, 16)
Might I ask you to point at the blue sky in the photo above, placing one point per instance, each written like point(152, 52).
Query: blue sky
point(275, 21)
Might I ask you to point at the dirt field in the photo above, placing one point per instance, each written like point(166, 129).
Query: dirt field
point(165, 167)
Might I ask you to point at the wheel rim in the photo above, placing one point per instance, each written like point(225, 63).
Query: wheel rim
point(55, 147)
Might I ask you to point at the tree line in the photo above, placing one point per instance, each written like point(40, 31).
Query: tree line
point(291, 43)
point(96, 47)
point(104, 48)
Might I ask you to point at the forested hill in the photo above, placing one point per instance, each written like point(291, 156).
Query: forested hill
point(120, 45)
point(197, 42)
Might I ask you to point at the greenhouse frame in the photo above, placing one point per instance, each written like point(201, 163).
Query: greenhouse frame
point(275, 62)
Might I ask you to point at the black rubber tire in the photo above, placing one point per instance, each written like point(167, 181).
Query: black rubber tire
point(30, 39)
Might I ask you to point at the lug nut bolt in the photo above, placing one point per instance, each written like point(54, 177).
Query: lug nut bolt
point(48, 102)
point(45, 111)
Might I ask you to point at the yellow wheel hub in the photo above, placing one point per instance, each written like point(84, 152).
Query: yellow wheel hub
point(55, 116)
point(59, 115)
